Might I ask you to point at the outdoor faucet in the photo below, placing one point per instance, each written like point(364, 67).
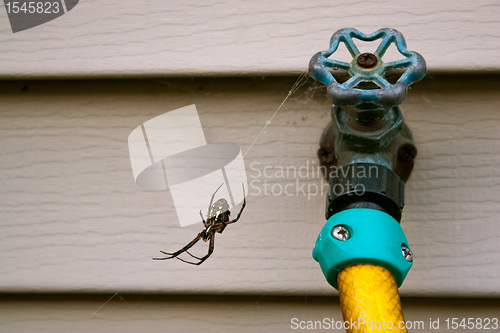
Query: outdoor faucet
point(369, 152)
point(367, 127)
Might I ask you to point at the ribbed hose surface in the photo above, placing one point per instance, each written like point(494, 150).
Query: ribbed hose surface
point(368, 293)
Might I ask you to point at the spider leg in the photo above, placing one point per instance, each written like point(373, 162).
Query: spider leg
point(204, 222)
point(210, 251)
point(192, 255)
point(184, 249)
point(212, 200)
point(241, 210)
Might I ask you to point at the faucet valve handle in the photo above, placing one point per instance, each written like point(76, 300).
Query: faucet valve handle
point(367, 68)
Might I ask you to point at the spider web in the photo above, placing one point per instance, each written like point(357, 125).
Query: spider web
point(299, 83)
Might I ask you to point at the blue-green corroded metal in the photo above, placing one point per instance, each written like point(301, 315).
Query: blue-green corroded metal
point(346, 93)
point(367, 128)
point(367, 124)
point(375, 238)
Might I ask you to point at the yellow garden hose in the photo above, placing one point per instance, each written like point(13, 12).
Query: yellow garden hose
point(369, 299)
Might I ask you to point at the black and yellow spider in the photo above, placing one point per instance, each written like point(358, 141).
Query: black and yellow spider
point(217, 220)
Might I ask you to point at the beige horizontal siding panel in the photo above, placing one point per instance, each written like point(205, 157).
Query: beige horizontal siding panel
point(72, 218)
point(212, 314)
point(116, 38)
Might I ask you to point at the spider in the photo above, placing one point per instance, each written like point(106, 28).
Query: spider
point(217, 220)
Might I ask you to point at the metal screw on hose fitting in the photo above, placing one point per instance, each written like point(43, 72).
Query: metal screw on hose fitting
point(407, 253)
point(341, 233)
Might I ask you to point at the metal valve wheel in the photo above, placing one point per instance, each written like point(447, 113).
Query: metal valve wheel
point(367, 67)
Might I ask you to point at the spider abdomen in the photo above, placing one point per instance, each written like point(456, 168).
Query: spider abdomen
point(219, 212)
